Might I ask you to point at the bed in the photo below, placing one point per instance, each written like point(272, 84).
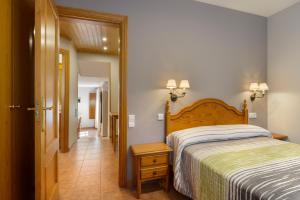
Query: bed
point(218, 156)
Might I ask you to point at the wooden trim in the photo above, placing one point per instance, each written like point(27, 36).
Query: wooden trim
point(204, 112)
point(66, 99)
point(122, 22)
point(75, 13)
point(113, 129)
point(5, 100)
point(70, 20)
point(123, 103)
point(39, 84)
point(109, 90)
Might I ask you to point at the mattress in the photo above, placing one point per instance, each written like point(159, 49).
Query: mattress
point(252, 167)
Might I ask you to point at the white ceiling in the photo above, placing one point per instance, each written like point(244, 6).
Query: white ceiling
point(264, 8)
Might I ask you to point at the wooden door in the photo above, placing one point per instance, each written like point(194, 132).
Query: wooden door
point(92, 105)
point(5, 100)
point(46, 97)
point(23, 98)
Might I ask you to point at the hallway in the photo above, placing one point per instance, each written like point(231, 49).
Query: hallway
point(89, 171)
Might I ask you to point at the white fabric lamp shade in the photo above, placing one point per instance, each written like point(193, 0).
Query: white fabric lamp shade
point(184, 84)
point(171, 84)
point(254, 86)
point(263, 87)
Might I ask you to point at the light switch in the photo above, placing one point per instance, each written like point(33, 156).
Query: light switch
point(131, 121)
point(160, 116)
point(252, 115)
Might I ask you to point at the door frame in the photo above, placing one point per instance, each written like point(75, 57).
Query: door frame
point(66, 96)
point(122, 22)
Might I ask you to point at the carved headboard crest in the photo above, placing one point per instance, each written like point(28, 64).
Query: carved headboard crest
point(204, 112)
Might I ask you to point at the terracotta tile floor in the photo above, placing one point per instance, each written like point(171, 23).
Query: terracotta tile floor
point(89, 171)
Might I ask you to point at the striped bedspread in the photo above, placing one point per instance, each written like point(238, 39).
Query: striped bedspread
point(235, 166)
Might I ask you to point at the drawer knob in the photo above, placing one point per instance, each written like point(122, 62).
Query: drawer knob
point(154, 161)
point(154, 173)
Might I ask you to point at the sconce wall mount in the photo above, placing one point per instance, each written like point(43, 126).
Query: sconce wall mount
point(175, 92)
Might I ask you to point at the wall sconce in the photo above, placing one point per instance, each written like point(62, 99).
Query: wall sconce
point(174, 91)
point(258, 90)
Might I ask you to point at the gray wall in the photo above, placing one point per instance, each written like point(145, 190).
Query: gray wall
point(284, 71)
point(220, 51)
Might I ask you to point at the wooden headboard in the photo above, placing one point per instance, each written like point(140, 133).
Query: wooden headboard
point(204, 112)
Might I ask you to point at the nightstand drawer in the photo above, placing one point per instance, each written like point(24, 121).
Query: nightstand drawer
point(154, 172)
point(154, 160)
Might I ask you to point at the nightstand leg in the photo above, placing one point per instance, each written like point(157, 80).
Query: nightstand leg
point(167, 189)
point(135, 175)
point(167, 179)
point(138, 188)
point(138, 177)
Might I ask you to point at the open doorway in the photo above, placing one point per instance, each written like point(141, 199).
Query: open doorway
point(92, 52)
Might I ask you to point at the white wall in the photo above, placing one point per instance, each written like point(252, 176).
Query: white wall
point(283, 72)
point(114, 74)
point(73, 95)
point(83, 107)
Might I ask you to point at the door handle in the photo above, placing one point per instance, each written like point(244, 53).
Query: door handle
point(14, 106)
point(35, 109)
point(48, 108)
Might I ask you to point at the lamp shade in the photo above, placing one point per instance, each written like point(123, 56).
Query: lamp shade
point(263, 87)
point(171, 84)
point(184, 84)
point(254, 86)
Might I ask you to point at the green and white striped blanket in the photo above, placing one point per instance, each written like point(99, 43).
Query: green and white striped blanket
point(229, 163)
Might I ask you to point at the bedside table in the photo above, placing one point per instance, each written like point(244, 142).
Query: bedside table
point(151, 162)
point(279, 136)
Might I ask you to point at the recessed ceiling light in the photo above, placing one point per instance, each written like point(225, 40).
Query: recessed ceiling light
point(104, 39)
point(105, 48)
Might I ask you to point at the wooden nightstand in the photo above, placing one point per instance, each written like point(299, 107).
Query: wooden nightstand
point(279, 136)
point(151, 162)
